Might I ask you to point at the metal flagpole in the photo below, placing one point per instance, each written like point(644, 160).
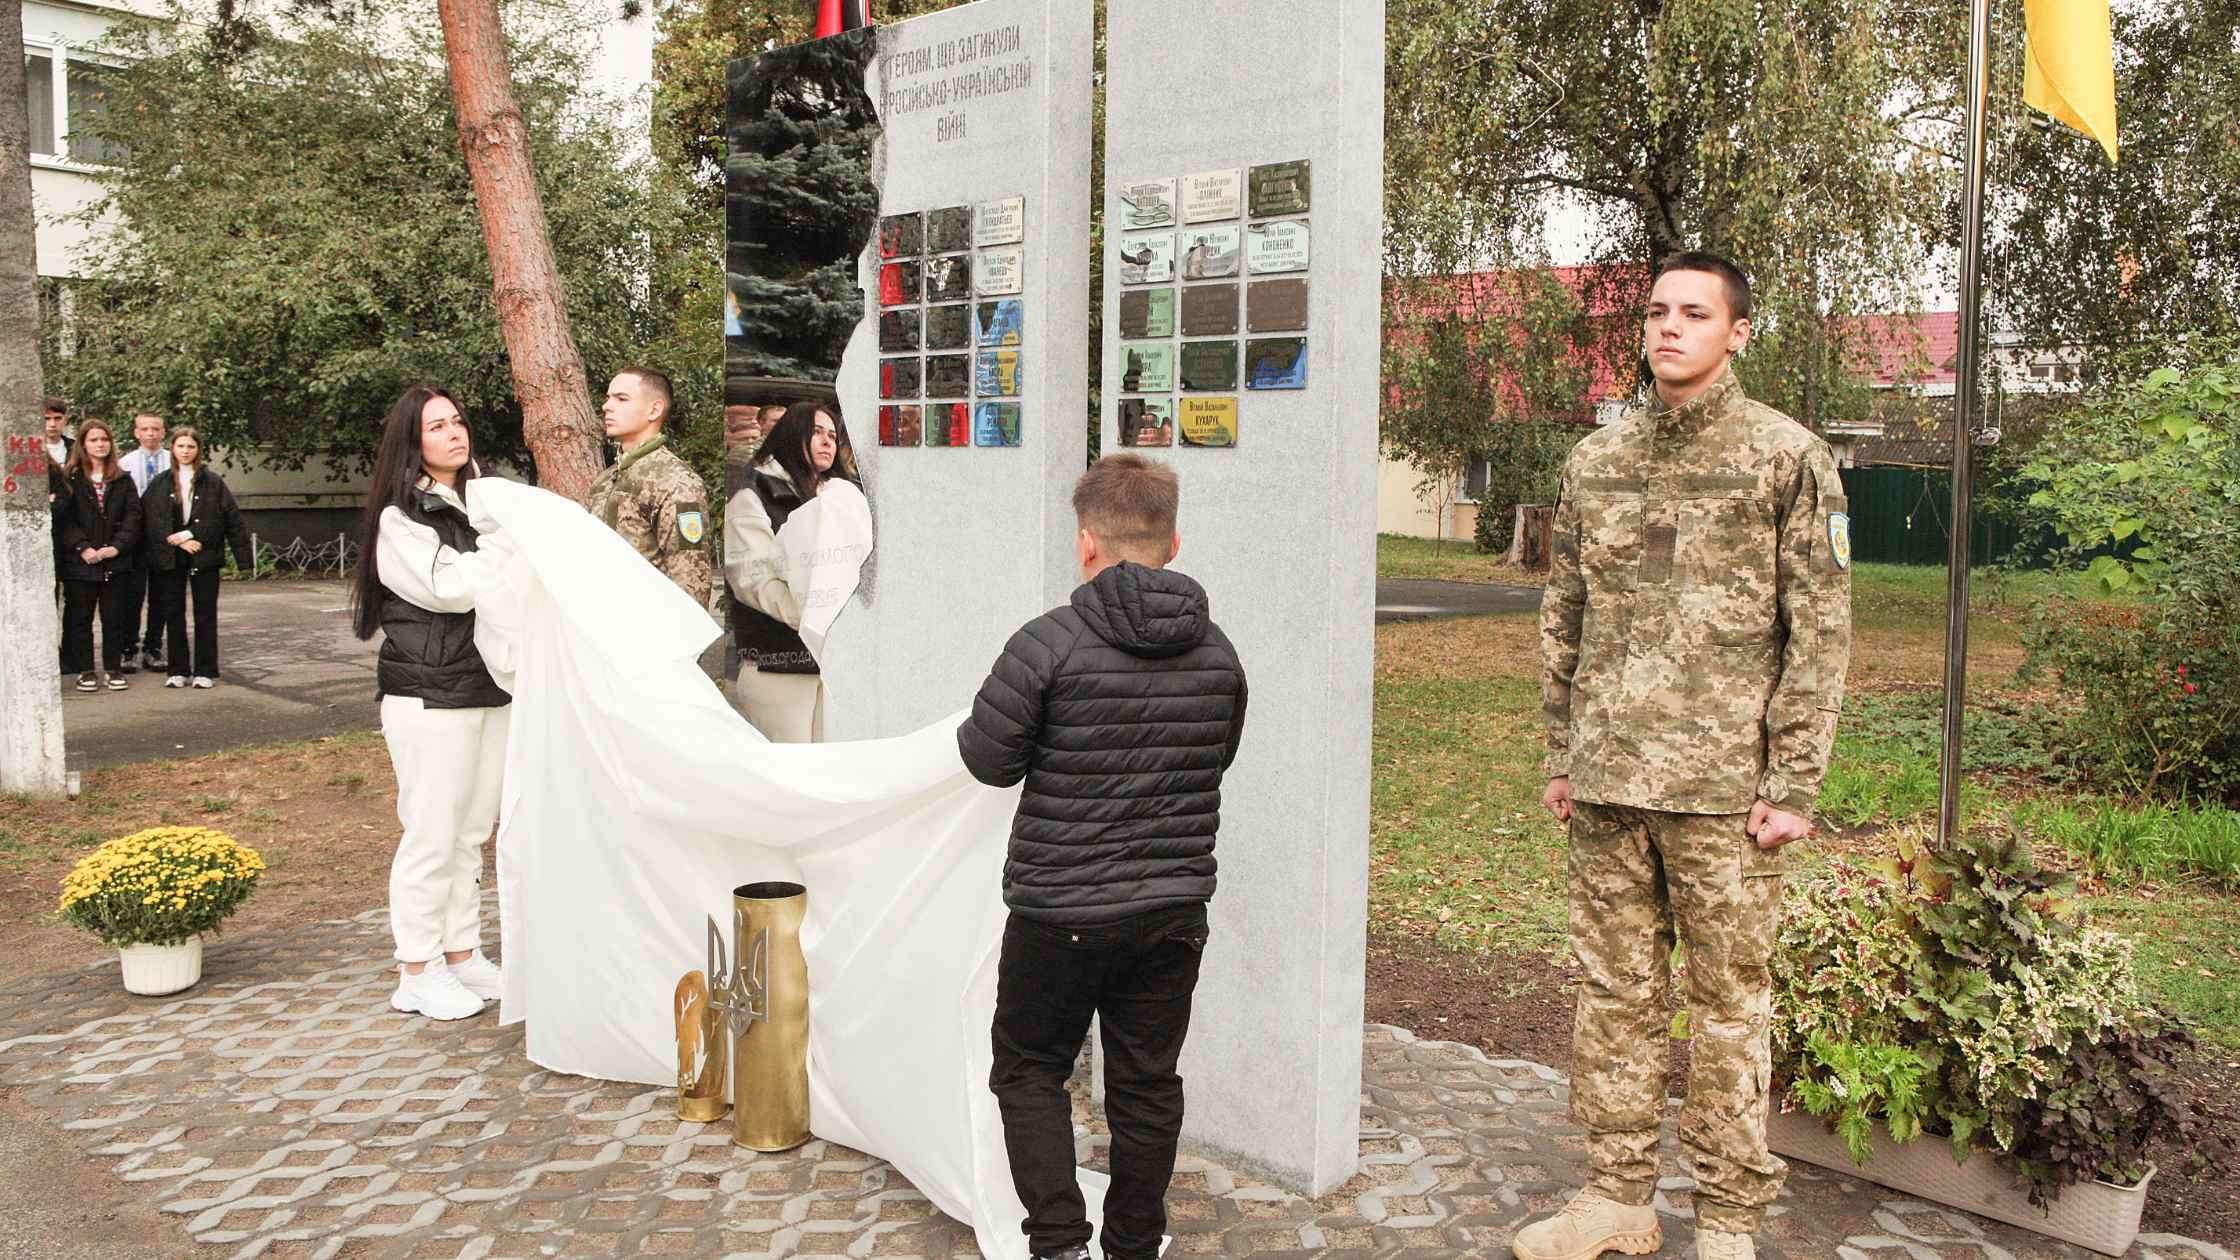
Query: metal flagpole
point(1963, 413)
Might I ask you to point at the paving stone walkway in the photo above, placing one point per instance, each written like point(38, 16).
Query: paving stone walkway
point(279, 1110)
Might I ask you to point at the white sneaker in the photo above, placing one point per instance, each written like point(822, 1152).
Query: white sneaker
point(479, 976)
point(205, 682)
point(176, 680)
point(434, 992)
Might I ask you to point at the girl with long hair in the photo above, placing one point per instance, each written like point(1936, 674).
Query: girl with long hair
point(189, 517)
point(442, 714)
point(96, 535)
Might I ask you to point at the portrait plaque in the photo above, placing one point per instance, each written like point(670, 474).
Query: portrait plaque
point(1280, 188)
point(1277, 247)
point(1147, 204)
point(1146, 422)
point(1275, 306)
point(1209, 253)
point(949, 278)
point(995, 424)
point(1002, 271)
point(901, 426)
point(1212, 195)
point(1147, 259)
point(901, 236)
point(1209, 421)
point(1147, 313)
point(996, 374)
point(948, 424)
point(998, 323)
point(1000, 222)
point(1147, 368)
point(1276, 363)
point(898, 283)
point(1209, 310)
point(949, 230)
point(1209, 365)
point(898, 378)
point(949, 376)
point(948, 327)
point(898, 330)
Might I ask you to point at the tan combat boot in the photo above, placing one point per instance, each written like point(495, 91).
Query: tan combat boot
point(1587, 1227)
point(1714, 1245)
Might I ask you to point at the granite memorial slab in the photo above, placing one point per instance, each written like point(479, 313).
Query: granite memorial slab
point(1147, 313)
point(901, 236)
point(1146, 422)
point(1210, 253)
point(949, 278)
point(1212, 195)
point(1279, 246)
point(1209, 310)
point(1276, 363)
point(1147, 368)
point(1002, 271)
point(998, 323)
point(902, 426)
point(1147, 204)
point(1275, 306)
point(949, 229)
point(899, 283)
point(899, 330)
point(948, 424)
point(1209, 365)
point(948, 376)
point(1208, 421)
point(996, 374)
point(995, 424)
point(899, 378)
point(1280, 188)
point(1147, 258)
point(948, 327)
point(1000, 222)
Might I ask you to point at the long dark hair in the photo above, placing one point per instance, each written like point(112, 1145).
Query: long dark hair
point(396, 477)
point(79, 462)
point(788, 443)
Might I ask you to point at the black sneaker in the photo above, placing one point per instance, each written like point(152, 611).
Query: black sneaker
point(151, 662)
point(87, 682)
point(1064, 1253)
point(126, 666)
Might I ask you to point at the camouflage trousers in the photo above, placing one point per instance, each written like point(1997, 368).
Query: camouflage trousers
point(1636, 874)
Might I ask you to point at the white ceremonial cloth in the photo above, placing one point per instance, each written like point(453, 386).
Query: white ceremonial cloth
point(636, 799)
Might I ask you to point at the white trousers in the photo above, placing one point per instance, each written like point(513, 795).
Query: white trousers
point(450, 765)
point(786, 708)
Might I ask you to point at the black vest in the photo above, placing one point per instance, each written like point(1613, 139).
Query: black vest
point(760, 639)
point(432, 655)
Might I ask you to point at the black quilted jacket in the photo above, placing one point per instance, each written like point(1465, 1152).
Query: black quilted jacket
point(1120, 710)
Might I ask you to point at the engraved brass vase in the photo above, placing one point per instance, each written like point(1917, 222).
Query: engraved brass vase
point(701, 1044)
point(764, 1004)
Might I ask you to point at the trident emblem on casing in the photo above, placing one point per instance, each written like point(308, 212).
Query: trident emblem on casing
point(741, 997)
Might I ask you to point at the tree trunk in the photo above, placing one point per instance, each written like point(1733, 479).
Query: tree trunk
point(556, 417)
point(30, 698)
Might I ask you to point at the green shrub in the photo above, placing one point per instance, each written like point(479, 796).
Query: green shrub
point(2123, 844)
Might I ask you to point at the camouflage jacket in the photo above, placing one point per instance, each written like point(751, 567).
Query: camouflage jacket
point(660, 507)
point(1697, 621)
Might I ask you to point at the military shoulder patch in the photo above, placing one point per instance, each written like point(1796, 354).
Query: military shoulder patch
point(1839, 539)
point(692, 526)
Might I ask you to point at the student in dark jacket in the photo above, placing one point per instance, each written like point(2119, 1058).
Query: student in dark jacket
point(1120, 711)
point(189, 518)
point(96, 529)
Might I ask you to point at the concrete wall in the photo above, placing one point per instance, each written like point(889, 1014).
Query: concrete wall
point(1403, 509)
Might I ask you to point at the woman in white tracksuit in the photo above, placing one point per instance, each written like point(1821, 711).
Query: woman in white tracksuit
point(442, 714)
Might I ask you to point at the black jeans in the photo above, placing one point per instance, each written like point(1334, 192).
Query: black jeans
point(146, 608)
point(80, 598)
point(1136, 977)
point(171, 594)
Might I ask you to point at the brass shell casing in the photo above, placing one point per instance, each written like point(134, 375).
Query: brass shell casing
point(701, 1052)
point(770, 1059)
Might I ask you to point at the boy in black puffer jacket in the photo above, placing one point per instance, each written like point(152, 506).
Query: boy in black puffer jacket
point(1121, 710)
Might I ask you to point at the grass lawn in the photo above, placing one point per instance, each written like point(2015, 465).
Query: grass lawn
point(1461, 851)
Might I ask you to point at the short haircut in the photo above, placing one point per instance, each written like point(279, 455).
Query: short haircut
point(1128, 502)
point(156, 416)
point(51, 403)
point(1738, 285)
point(657, 382)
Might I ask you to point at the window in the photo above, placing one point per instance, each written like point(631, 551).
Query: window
point(1475, 477)
point(89, 104)
point(38, 75)
point(63, 95)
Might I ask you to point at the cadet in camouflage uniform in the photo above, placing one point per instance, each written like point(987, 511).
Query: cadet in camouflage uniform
point(1696, 629)
point(649, 496)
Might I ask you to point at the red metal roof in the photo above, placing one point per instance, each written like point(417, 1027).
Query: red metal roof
point(1917, 349)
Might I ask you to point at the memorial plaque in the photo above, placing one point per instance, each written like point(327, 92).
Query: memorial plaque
point(1147, 313)
point(1209, 421)
point(898, 378)
point(1147, 204)
point(1147, 259)
point(1275, 306)
point(1209, 365)
point(901, 426)
point(996, 374)
point(995, 424)
point(1209, 310)
point(1003, 271)
point(1210, 253)
point(949, 279)
point(948, 327)
point(1146, 422)
point(1276, 363)
point(949, 230)
point(1280, 188)
point(1212, 195)
point(998, 323)
point(948, 424)
point(1147, 369)
point(949, 376)
point(1277, 247)
point(898, 330)
point(901, 236)
point(898, 283)
point(1000, 222)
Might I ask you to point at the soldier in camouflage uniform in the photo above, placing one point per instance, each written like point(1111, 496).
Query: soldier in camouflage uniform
point(1696, 629)
point(650, 496)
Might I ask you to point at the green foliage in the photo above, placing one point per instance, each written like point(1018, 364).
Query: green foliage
point(2124, 845)
point(301, 238)
point(1853, 1086)
point(1888, 748)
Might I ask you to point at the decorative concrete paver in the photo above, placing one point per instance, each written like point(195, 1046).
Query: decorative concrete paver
point(279, 1109)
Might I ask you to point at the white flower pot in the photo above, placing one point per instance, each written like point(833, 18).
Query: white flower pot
point(152, 970)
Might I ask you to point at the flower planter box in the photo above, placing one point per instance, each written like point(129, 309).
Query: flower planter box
point(154, 970)
point(2099, 1215)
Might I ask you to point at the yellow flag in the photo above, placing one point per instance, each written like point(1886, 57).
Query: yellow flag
point(2069, 73)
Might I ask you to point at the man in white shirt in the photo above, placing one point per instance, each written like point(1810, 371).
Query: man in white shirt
point(145, 462)
point(57, 418)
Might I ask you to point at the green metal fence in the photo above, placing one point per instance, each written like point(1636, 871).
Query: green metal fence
point(1903, 516)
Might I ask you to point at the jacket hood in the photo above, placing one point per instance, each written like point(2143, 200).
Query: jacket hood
point(1144, 611)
